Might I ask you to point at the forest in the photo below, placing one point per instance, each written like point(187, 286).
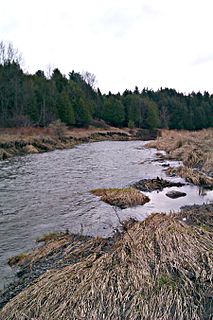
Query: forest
point(39, 99)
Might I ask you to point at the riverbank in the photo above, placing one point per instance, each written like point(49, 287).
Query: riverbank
point(22, 141)
point(153, 269)
point(160, 268)
point(194, 149)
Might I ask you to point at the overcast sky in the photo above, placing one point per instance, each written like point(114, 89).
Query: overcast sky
point(148, 43)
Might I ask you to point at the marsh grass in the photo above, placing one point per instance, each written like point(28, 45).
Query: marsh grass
point(160, 269)
point(123, 198)
point(18, 259)
point(191, 175)
point(20, 141)
point(195, 149)
point(52, 242)
point(52, 236)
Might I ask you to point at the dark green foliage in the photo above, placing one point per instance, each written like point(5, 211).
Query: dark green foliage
point(133, 108)
point(65, 109)
point(81, 105)
point(37, 100)
point(60, 81)
point(113, 111)
point(152, 119)
point(11, 92)
point(131, 124)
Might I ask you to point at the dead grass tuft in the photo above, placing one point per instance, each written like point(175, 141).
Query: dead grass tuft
point(195, 149)
point(198, 218)
point(123, 198)
point(18, 260)
point(51, 236)
point(160, 268)
point(191, 175)
point(20, 141)
point(53, 242)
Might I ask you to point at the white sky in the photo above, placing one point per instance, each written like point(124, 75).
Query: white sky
point(148, 43)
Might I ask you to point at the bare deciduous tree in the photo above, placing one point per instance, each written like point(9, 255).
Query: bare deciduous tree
point(89, 78)
point(9, 54)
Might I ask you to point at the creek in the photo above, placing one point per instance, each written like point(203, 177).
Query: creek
point(49, 192)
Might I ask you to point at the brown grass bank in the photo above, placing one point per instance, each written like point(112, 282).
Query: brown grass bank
point(161, 268)
point(21, 141)
point(195, 149)
point(192, 176)
point(122, 198)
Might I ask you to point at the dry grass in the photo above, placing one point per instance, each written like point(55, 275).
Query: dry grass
point(51, 236)
point(195, 149)
point(52, 241)
point(198, 218)
point(123, 198)
point(160, 268)
point(191, 175)
point(12, 134)
point(71, 245)
point(20, 141)
point(18, 260)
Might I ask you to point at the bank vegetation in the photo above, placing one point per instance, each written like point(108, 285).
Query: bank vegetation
point(194, 149)
point(123, 197)
point(160, 268)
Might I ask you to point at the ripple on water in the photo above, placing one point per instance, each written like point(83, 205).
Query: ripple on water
point(51, 191)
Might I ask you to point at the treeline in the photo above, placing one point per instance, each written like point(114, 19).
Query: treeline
point(38, 100)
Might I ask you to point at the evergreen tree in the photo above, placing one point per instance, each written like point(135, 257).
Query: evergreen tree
point(133, 105)
point(113, 111)
point(80, 105)
point(65, 109)
point(36, 100)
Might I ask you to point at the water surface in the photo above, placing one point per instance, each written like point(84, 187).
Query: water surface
point(51, 191)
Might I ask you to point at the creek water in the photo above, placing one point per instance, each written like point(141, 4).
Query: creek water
point(49, 192)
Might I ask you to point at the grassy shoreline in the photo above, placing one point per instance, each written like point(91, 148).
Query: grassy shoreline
point(22, 141)
point(194, 149)
point(161, 268)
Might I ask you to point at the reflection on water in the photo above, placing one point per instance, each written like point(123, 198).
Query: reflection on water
point(51, 191)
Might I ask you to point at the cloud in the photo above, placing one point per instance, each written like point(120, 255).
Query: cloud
point(123, 18)
point(203, 59)
point(149, 10)
point(117, 21)
point(125, 43)
point(9, 26)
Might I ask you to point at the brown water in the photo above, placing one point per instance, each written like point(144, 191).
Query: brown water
point(51, 191)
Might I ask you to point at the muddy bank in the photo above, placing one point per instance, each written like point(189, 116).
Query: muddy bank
point(16, 142)
point(148, 185)
point(152, 269)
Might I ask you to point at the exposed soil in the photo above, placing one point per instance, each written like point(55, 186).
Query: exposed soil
point(147, 185)
point(23, 141)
